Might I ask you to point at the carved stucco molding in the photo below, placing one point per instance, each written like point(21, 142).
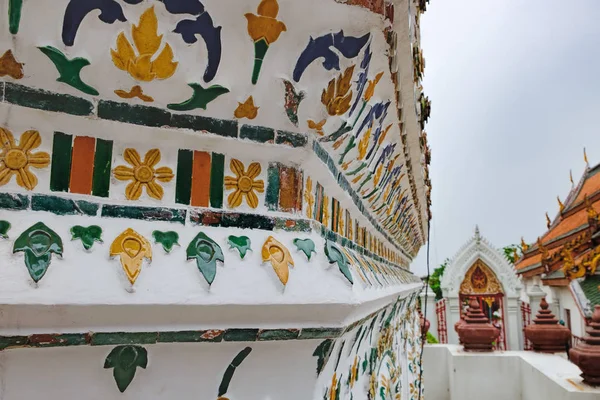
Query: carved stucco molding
point(475, 248)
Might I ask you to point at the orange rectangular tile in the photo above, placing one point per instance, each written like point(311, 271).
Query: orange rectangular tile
point(82, 164)
point(200, 179)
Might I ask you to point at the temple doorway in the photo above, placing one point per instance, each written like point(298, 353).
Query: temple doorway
point(481, 283)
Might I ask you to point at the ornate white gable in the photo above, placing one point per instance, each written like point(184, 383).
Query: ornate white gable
point(479, 248)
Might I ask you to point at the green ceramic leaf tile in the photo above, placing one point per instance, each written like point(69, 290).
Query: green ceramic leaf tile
point(124, 360)
point(240, 243)
point(88, 235)
point(307, 246)
point(323, 351)
point(69, 70)
point(200, 97)
point(14, 15)
point(335, 255)
point(167, 239)
point(206, 252)
point(38, 243)
point(4, 227)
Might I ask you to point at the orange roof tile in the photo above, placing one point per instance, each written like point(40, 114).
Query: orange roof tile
point(590, 186)
point(570, 223)
point(534, 259)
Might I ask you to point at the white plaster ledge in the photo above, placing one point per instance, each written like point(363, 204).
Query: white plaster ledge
point(451, 373)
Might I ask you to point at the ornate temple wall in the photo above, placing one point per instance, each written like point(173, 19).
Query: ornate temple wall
point(216, 199)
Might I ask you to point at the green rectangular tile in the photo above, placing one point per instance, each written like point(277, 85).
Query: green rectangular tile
point(61, 206)
point(133, 114)
point(114, 338)
point(221, 127)
point(144, 213)
point(278, 334)
point(191, 336)
point(44, 100)
point(217, 171)
point(320, 333)
point(60, 173)
point(12, 341)
point(240, 335)
point(102, 163)
point(272, 196)
point(291, 138)
point(293, 225)
point(183, 185)
point(59, 339)
point(10, 201)
point(257, 133)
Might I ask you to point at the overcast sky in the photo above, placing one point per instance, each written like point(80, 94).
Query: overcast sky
point(515, 91)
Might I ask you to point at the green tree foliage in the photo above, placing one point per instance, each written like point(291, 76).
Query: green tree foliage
point(431, 339)
point(436, 277)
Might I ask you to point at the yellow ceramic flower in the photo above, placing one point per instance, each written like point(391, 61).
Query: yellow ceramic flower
point(17, 159)
point(143, 174)
point(246, 109)
point(337, 96)
point(279, 256)
point(265, 25)
point(132, 248)
point(371, 88)
point(244, 184)
point(147, 41)
point(309, 198)
point(317, 126)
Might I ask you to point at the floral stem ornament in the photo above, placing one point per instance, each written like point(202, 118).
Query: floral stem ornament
point(132, 248)
point(147, 41)
point(279, 256)
point(246, 109)
point(206, 252)
point(10, 66)
point(17, 159)
point(143, 174)
point(337, 96)
point(264, 29)
point(244, 184)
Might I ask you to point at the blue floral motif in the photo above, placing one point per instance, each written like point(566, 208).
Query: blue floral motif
point(77, 10)
point(348, 46)
point(204, 26)
point(361, 82)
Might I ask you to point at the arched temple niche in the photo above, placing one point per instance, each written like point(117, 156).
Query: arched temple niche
point(480, 270)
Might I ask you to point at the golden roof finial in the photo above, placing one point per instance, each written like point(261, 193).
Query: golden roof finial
point(585, 157)
point(571, 177)
point(543, 250)
point(591, 212)
point(548, 222)
point(516, 254)
point(524, 246)
point(561, 206)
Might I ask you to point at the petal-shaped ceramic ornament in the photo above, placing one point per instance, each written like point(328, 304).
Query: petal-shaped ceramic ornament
point(206, 252)
point(279, 256)
point(132, 248)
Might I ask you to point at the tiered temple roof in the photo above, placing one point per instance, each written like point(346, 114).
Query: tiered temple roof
point(570, 248)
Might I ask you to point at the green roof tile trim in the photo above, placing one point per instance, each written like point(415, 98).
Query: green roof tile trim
point(221, 127)
point(113, 338)
point(320, 333)
point(63, 206)
point(591, 288)
point(260, 134)
point(190, 336)
point(45, 100)
point(145, 213)
point(13, 201)
point(278, 334)
point(292, 139)
point(133, 114)
point(240, 335)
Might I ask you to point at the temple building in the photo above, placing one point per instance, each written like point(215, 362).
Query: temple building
point(480, 271)
point(562, 263)
point(212, 199)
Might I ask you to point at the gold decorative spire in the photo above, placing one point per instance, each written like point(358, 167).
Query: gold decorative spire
point(585, 157)
point(548, 222)
point(543, 250)
point(571, 177)
point(561, 206)
point(524, 246)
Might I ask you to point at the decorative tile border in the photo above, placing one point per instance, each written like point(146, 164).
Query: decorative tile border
point(144, 115)
point(189, 336)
